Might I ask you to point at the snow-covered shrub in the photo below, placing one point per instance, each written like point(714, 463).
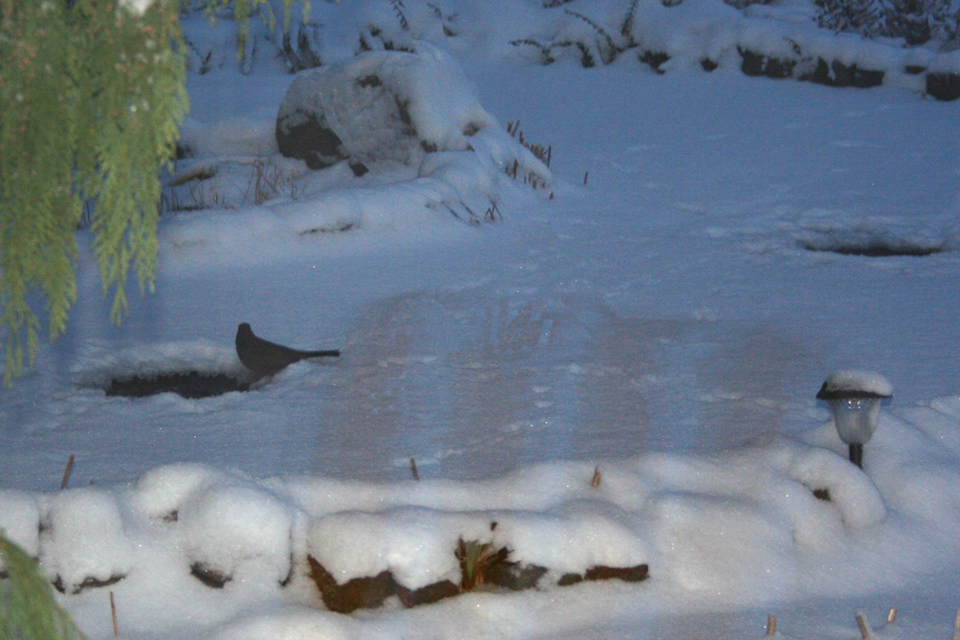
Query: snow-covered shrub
point(915, 21)
point(295, 38)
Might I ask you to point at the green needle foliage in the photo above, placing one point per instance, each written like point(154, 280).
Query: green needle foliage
point(243, 9)
point(91, 98)
point(28, 610)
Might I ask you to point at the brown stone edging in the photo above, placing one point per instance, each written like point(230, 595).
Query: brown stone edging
point(370, 592)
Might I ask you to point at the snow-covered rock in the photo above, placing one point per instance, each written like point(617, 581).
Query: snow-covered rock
point(387, 108)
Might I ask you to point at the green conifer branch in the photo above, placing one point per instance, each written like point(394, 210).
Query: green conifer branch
point(91, 99)
point(90, 105)
point(28, 610)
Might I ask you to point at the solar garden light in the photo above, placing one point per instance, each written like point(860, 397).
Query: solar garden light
point(855, 398)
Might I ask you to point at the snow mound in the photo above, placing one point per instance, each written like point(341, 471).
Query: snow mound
point(762, 522)
point(359, 100)
point(20, 519)
point(228, 527)
point(855, 496)
point(84, 540)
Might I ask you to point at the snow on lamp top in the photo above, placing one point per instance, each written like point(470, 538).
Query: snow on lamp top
point(855, 384)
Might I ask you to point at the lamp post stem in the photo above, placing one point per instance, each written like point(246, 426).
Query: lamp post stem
point(856, 454)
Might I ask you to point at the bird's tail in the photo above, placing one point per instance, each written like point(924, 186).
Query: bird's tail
point(331, 353)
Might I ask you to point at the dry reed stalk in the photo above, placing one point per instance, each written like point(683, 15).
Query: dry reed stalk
point(595, 481)
point(66, 473)
point(113, 614)
point(413, 468)
point(771, 625)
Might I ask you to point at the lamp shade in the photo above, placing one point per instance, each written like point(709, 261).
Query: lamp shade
point(854, 398)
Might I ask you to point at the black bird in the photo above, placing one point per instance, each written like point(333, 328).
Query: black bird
point(267, 358)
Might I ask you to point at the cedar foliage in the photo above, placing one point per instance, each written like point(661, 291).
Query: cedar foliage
point(242, 10)
point(27, 608)
point(91, 97)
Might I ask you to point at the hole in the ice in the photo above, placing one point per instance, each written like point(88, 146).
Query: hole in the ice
point(189, 384)
point(872, 247)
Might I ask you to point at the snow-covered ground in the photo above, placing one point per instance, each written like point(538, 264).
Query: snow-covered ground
point(666, 317)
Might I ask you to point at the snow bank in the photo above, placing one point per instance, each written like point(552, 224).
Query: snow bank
point(417, 544)
point(737, 527)
point(100, 363)
point(411, 117)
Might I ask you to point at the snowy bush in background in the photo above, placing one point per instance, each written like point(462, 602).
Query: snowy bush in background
point(289, 30)
point(916, 22)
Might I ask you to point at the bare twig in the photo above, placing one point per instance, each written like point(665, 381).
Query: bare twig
point(66, 473)
point(595, 481)
point(865, 631)
point(956, 626)
point(113, 614)
point(771, 625)
point(413, 468)
point(613, 49)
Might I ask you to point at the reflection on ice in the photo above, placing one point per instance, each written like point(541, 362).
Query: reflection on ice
point(435, 376)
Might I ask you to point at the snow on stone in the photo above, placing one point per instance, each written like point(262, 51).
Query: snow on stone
point(441, 102)
point(733, 525)
point(417, 544)
point(228, 527)
point(20, 519)
point(84, 537)
point(161, 492)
